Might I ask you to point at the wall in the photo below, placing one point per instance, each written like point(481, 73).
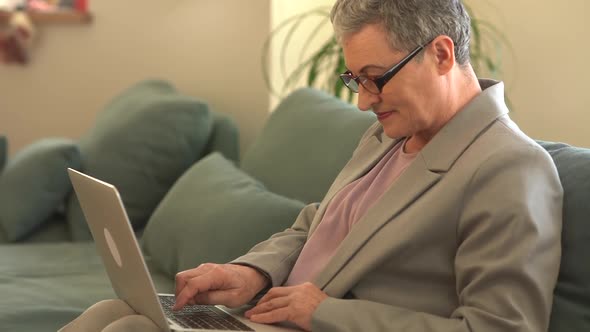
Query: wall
point(546, 73)
point(207, 48)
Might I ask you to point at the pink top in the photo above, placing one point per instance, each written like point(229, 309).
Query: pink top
point(346, 208)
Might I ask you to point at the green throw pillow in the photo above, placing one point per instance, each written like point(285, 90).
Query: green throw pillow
point(214, 213)
point(141, 143)
point(571, 304)
point(34, 185)
point(3, 152)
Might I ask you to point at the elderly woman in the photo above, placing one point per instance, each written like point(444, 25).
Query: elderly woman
point(447, 217)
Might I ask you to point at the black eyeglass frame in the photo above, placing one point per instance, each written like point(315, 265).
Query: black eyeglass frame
point(382, 80)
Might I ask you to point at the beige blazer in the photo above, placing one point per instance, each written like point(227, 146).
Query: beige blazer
point(466, 239)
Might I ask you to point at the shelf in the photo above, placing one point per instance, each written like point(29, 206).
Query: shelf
point(62, 16)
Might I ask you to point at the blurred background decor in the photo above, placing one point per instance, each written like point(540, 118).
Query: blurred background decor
point(44, 5)
point(16, 38)
point(19, 17)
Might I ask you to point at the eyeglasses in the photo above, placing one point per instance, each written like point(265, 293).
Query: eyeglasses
point(375, 85)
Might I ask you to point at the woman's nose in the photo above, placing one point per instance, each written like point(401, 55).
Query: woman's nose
point(366, 99)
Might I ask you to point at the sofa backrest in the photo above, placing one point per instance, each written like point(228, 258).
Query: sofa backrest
point(305, 143)
point(571, 305)
point(224, 137)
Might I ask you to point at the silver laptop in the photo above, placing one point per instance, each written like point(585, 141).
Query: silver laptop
point(126, 268)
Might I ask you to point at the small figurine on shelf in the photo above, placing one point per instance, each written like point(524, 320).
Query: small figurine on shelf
point(16, 39)
point(81, 5)
point(54, 5)
point(48, 5)
point(42, 5)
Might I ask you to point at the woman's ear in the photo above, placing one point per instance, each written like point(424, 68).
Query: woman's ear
point(444, 51)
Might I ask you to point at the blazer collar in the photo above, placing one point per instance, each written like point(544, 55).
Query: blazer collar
point(458, 134)
point(436, 158)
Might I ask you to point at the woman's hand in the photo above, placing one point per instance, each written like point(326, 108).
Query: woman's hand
point(227, 284)
point(295, 304)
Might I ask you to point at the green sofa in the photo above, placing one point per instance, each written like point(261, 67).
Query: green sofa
point(218, 207)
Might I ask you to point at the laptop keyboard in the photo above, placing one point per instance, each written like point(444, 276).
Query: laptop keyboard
point(205, 317)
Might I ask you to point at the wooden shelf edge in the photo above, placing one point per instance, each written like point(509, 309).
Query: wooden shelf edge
point(62, 16)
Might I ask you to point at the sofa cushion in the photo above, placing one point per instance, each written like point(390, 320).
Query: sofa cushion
point(3, 151)
point(224, 138)
point(141, 143)
point(305, 143)
point(35, 184)
point(214, 213)
point(571, 305)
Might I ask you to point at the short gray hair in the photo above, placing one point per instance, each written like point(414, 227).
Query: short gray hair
point(409, 23)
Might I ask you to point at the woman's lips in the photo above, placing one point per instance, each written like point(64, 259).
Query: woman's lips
point(383, 115)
